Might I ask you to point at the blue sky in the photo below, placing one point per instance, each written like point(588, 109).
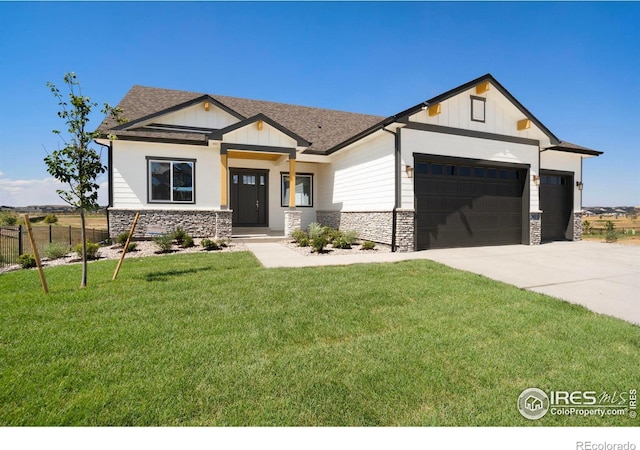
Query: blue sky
point(574, 65)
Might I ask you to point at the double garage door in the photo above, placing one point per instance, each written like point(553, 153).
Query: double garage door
point(466, 203)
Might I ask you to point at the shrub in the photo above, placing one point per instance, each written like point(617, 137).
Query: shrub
point(50, 218)
point(222, 243)
point(27, 260)
point(209, 245)
point(121, 239)
point(132, 247)
point(612, 236)
point(8, 218)
point(164, 242)
point(179, 235)
point(299, 234)
point(187, 242)
point(345, 239)
point(368, 245)
point(92, 250)
point(303, 242)
point(332, 234)
point(317, 237)
point(55, 250)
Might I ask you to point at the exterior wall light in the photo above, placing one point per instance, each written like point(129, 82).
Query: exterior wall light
point(536, 180)
point(579, 185)
point(409, 171)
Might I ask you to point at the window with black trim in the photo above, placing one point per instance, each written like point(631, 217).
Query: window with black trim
point(478, 108)
point(304, 189)
point(171, 181)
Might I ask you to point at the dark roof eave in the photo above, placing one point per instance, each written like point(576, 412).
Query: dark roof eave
point(581, 151)
point(165, 140)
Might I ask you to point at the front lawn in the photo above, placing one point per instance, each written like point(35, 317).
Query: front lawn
point(215, 339)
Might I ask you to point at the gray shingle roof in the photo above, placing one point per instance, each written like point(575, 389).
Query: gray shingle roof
point(324, 128)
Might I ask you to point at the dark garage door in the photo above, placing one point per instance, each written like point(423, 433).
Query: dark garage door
point(556, 198)
point(466, 204)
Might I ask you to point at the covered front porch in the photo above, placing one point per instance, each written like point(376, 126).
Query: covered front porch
point(266, 190)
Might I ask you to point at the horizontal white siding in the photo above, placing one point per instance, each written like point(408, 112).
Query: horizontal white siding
point(360, 177)
point(130, 174)
point(269, 136)
point(567, 162)
point(501, 116)
point(425, 142)
point(276, 211)
point(196, 116)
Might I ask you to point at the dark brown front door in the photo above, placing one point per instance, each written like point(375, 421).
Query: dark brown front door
point(249, 189)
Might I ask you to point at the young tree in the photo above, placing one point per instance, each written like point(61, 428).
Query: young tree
point(77, 164)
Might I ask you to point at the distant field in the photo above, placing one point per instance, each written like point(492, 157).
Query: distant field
point(97, 221)
point(623, 225)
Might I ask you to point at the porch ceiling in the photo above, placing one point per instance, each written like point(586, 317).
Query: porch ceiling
point(264, 156)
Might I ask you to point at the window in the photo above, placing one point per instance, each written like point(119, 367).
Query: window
point(304, 189)
point(477, 108)
point(171, 181)
point(464, 171)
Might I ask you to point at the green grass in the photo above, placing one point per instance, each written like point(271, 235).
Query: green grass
point(215, 339)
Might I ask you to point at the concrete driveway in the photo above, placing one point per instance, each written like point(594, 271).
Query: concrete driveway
point(605, 278)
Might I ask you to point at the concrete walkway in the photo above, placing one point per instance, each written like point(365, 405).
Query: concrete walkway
point(602, 277)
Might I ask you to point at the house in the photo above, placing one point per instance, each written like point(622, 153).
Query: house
point(469, 167)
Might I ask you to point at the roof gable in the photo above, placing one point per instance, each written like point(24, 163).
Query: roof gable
point(272, 127)
point(502, 111)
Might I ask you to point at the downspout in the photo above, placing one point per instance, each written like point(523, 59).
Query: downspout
point(397, 185)
point(109, 177)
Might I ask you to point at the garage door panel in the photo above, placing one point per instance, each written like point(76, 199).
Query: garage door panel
point(556, 199)
point(466, 205)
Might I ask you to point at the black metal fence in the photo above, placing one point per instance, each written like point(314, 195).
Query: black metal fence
point(14, 241)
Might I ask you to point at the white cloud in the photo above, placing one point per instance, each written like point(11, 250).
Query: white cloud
point(37, 192)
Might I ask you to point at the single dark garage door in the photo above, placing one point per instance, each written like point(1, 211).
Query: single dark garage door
point(556, 198)
point(467, 203)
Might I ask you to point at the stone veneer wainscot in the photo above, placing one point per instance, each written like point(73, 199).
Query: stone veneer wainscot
point(374, 225)
point(197, 223)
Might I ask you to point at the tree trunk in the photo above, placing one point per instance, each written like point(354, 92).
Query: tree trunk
point(83, 236)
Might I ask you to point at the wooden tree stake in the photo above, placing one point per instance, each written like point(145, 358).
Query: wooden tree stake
point(124, 250)
point(35, 254)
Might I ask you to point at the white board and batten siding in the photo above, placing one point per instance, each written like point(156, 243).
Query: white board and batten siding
point(360, 177)
point(268, 136)
point(426, 142)
point(501, 116)
point(130, 174)
point(196, 116)
point(565, 162)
